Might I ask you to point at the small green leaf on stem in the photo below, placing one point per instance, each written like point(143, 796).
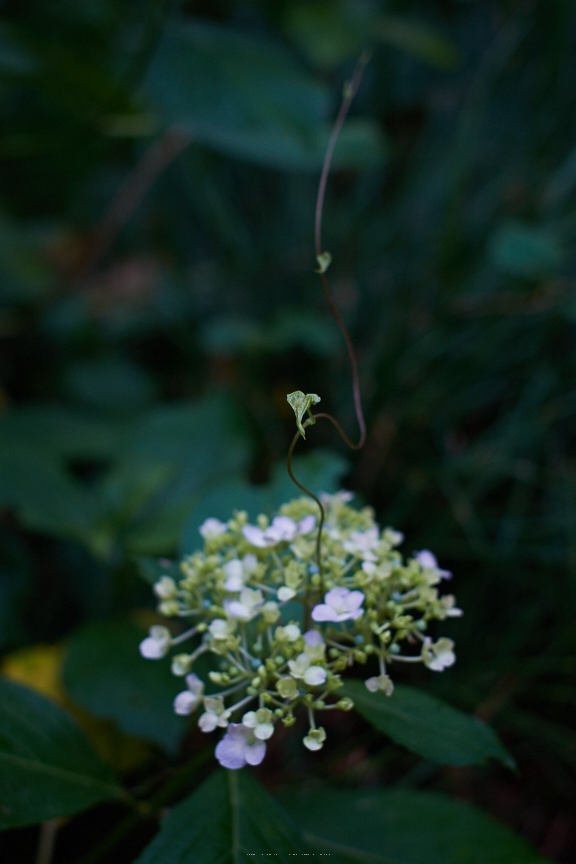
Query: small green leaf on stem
point(301, 403)
point(324, 260)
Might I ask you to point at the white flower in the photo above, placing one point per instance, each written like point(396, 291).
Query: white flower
point(187, 701)
point(259, 722)
point(212, 528)
point(289, 633)
point(450, 609)
point(247, 606)
point(315, 739)
point(363, 543)
point(427, 561)
point(285, 593)
point(214, 715)
point(157, 644)
point(282, 529)
point(438, 655)
point(239, 747)
point(234, 571)
point(301, 668)
point(340, 604)
point(166, 588)
point(341, 497)
point(219, 628)
point(380, 682)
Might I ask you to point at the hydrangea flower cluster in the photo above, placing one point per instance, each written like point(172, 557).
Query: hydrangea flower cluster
point(280, 632)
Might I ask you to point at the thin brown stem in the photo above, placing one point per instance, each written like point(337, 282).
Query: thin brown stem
point(350, 90)
point(47, 841)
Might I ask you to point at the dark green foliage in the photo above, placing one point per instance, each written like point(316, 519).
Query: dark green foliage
point(47, 767)
point(105, 674)
point(157, 305)
point(229, 819)
point(428, 726)
point(402, 827)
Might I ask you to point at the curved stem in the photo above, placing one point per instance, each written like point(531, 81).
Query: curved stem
point(350, 90)
point(318, 502)
point(354, 370)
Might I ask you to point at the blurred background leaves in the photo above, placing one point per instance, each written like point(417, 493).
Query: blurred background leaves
point(157, 303)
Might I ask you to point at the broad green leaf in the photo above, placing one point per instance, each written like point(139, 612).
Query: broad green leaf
point(105, 674)
point(229, 819)
point(331, 32)
point(417, 39)
point(520, 249)
point(35, 484)
point(247, 96)
point(47, 767)
point(170, 457)
point(428, 726)
point(319, 471)
point(60, 431)
point(110, 383)
point(403, 827)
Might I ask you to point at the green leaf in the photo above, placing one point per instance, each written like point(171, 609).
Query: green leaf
point(248, 97)
point(320, 470)
point(47, 767)
point(60, 431)
point(197, 445)
point(105, 674)
point(520, 249)
point(403, 827)
point(417, 39)
point(35, 484)
point(300, 404)
point(229, 819)
point(428, 726)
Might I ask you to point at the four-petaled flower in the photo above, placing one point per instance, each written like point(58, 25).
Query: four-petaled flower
point(237, 570)
point(301, 668)
point(188, 700)
point(315, 739)
point(247, 606)
point(340, 604)
point(282, 530)
point(438, 655)
point(157, 644)
point(380, 682)
point(214, 715)
point(239, 747)
point(363, 543)
point(259, 722)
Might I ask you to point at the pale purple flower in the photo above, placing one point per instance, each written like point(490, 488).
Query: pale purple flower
point(188, 700)
point(239, 747)
point(427, 561)
point(282, 530)
point(340, 604)
point(363, 543)
point(315, 645)
point(211, 528)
